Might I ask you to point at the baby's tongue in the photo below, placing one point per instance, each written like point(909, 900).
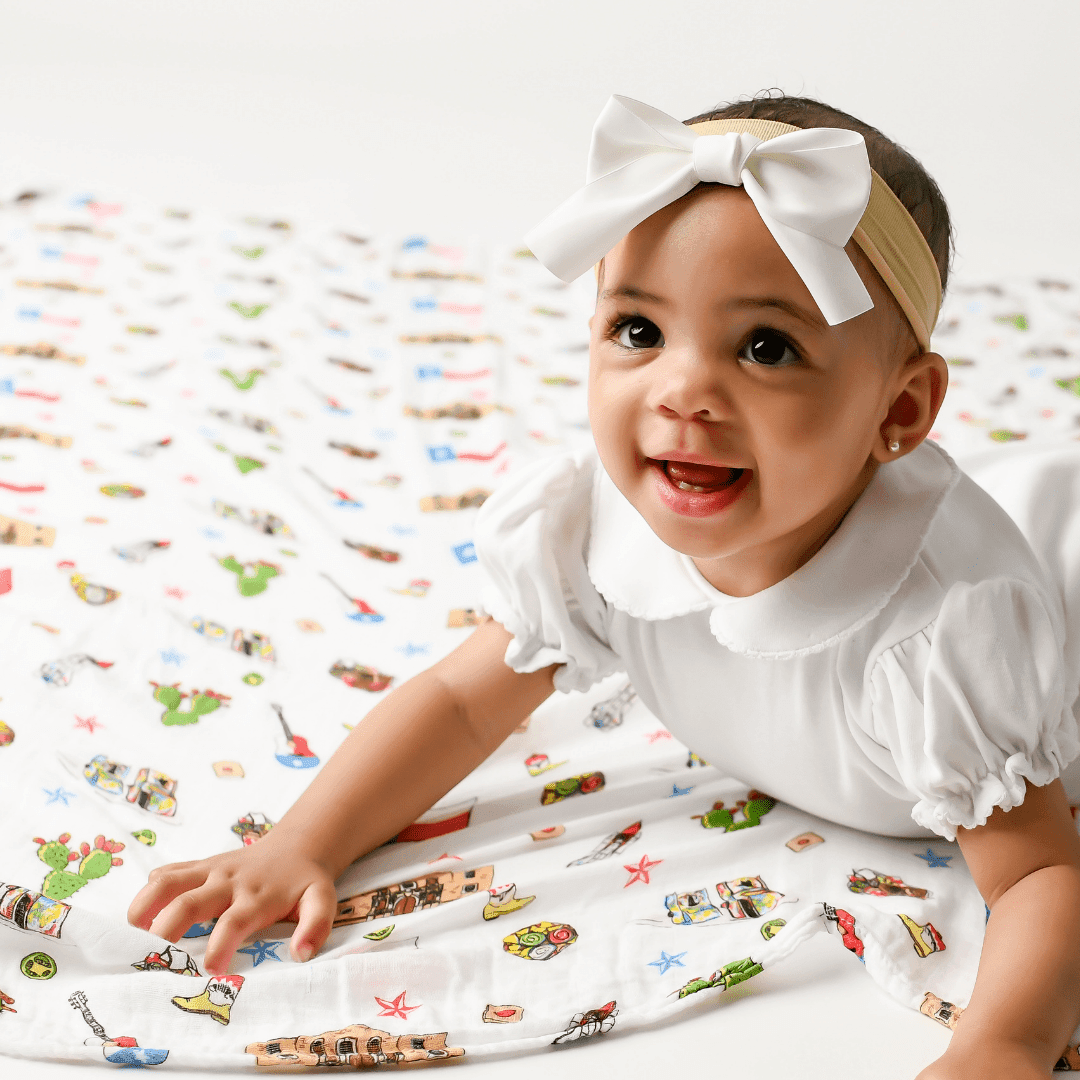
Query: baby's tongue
point(707, 476)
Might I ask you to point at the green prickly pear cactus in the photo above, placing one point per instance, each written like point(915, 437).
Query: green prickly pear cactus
point(96, 862)
point(254, 583)
point(201, 705)
point(754, 808)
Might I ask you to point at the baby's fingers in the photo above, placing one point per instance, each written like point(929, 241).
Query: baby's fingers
point(316, 911)
point(195, 905)
point(241, 919)
point(164, 884)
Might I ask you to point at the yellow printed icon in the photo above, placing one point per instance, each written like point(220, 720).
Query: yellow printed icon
point(924, 936)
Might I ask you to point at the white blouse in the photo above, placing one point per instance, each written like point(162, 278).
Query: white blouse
point(908, 677)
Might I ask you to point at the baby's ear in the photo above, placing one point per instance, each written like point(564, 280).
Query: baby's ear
point(923, 382)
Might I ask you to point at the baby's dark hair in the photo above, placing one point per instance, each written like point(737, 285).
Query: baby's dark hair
point(910, 182)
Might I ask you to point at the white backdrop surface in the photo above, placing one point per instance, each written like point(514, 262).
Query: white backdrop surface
point(474, 118)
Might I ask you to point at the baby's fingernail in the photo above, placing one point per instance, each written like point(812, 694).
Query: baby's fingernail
point(304, 953)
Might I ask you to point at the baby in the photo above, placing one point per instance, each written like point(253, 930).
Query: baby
point(761, 531)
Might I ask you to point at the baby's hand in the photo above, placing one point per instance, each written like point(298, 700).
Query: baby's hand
point(246, 890)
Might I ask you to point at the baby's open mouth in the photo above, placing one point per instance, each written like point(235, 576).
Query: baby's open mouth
point(699, 478)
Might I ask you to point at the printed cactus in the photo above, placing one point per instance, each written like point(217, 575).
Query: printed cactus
point(201, 704)
point(251, 578)
point(96, 862)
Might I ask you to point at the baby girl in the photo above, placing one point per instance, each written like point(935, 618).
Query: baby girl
point(762, 531)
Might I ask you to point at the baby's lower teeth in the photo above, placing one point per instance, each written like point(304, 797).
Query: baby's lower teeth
point(688, 487)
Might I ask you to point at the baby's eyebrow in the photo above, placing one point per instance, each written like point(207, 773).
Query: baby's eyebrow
point(783, 305)
point(629, 292)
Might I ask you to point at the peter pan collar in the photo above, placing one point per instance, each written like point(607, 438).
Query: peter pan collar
point(837, 592)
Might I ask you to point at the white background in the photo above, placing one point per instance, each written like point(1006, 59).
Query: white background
point(474, 118)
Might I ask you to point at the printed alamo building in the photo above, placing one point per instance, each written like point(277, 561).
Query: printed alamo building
point(356, 1045)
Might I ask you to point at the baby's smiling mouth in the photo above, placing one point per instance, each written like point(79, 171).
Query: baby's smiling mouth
point(698, 478)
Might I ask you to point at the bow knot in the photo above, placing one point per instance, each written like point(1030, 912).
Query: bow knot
point(810, 187)
point(719, 159)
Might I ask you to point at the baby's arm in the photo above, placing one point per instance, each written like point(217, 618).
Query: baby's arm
point(1026, 1004)
point(409, 750)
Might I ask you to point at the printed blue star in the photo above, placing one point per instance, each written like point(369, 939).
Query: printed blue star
point(666, 960)
point(934, 860)
point(213, 534)
point(676, 790)
point(59, 795)
point(171, 656)
point(409, 649)
point(262, 950)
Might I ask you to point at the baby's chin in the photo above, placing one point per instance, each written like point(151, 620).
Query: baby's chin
point(696, 538)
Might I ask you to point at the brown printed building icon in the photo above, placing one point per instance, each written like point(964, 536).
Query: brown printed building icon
point(406, 896)
point(356, 1045)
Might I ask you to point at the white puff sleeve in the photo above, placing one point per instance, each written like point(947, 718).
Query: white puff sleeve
point(976, 703)
point(531, 540)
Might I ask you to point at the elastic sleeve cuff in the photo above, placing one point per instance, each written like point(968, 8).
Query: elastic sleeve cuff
point(971, 808)
point(527, 652)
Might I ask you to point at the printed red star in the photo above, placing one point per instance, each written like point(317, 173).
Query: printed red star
point(640, 872)
point(175, 590)
point(431, 862)
point(90, 723)
point(655, 736)
point(397, 1007)
point(189, 479)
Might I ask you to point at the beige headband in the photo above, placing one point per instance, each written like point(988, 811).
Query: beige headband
point(886, 233)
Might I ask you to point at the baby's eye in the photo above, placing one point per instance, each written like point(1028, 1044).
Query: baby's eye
point(767, 348)
point(638, 333)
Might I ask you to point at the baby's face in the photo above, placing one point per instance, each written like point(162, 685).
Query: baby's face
point(707, 349)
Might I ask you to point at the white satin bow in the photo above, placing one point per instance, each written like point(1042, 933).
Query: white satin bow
point(810, 187)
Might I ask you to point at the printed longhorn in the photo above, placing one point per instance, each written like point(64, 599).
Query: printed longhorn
point(96, 862)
